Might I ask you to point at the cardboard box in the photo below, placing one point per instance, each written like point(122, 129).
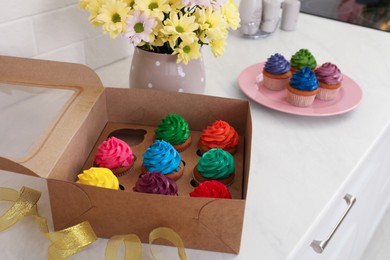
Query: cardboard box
point(90, 113)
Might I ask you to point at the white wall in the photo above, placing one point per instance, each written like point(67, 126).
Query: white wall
point(56, 30)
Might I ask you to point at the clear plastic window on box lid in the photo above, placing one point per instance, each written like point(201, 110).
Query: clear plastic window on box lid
point(26, 114)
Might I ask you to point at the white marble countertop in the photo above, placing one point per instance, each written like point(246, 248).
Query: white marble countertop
point(297, 162)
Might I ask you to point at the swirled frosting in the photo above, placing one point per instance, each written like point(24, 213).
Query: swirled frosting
point(219, 135)
point(303, 58)
point(211, 189)
point(329, 73)
point(156, 183)
point(173, 129)
point(114, 153)
point(100, 177)
point(277, 64)
point(304, 79)
point(161, 157)
point(216, 164)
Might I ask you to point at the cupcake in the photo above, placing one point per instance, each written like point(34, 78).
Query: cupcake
point(329, 78)
point(303, 88)
point(155, 183)
point(174, 130)
point(211, 189)
point(115, 155)
point(302, 58)
point(100, 177)
point(215, 164)
point(162, 157)
point(276, 72)
point(219, 135)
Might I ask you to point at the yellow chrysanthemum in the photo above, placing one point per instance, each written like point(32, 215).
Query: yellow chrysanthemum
point(182, 27)
point(232, 16)
point(175, 5)
point(113, 15)
point(83, 4)
point(187, 51)
point(129, 3)
point(93, 7)
point(159, 38)
point(212, 24)
point(155, 8)
point(218, 47)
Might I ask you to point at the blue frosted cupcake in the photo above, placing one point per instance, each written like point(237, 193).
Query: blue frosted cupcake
point(303, 88)
point(276, 72)
point(162, 157)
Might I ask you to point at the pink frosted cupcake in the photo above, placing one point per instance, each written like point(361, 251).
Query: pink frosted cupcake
point(330, 80)
point(115, 155)
point(155, 183)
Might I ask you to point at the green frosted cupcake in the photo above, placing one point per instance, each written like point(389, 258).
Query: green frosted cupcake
point(215, 164)
point(302, 58)
point(174, 130)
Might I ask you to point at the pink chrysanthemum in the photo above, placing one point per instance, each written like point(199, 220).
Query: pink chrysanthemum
point(139, 27)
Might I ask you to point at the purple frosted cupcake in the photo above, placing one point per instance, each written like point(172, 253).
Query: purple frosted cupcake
point(276, 72)
point(155, 183)
point(330, 78)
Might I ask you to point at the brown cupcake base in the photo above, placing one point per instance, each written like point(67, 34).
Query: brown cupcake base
point(180, 147)
point(203, 148)
point(199, 178)
point(174, 175)
point(119, 171)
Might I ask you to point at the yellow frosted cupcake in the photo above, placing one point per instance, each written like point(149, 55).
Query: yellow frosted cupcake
point(100, 177)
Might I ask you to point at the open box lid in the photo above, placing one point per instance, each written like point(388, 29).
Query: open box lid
point(42, 106)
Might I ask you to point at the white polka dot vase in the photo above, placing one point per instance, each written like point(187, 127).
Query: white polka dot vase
point(152, 70)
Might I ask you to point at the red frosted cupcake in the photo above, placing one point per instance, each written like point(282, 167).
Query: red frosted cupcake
point(155, 183)
point(115, 155)
point(211, 189)
point(219, 135)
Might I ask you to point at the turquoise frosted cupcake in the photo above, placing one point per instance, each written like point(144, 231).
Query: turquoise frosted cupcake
point(215, 164)
point(162, 157)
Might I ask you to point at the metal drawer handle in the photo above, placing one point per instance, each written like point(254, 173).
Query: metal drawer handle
point(319, 246)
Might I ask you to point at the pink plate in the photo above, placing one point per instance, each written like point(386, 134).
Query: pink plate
point(250, 81)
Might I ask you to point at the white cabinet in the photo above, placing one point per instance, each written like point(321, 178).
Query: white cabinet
point(369, 183)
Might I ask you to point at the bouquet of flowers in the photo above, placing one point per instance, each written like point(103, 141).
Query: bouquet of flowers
point(177, 27)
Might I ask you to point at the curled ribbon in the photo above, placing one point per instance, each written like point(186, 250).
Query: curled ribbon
point(133, 247)
point(67, 242)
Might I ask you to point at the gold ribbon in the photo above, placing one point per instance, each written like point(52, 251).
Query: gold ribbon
point(170, 235)
point(67, 242)
point(133, 247)
point(24, 202)
point(64, 243)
